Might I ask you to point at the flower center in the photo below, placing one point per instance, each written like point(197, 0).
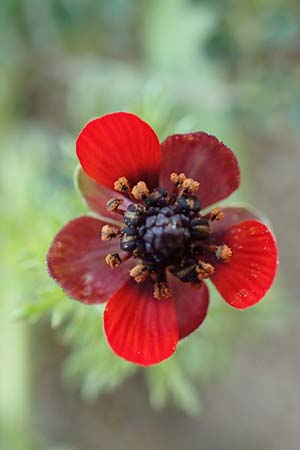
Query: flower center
point(165, 231)
point(165, 235)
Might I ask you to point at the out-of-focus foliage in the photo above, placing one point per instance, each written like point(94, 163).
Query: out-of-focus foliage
point(228, 67)
point(257, 47)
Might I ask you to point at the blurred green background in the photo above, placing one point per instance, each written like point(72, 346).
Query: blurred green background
point(230, 68)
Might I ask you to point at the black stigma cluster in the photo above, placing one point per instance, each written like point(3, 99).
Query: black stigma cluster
point(165, 232)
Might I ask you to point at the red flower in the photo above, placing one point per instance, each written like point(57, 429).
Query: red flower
point(156, 247)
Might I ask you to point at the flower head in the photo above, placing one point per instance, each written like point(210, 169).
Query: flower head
point(153, 245)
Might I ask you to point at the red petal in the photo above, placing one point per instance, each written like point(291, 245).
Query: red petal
point(234, 215)
point(96, 196)
point(203, 158)
point(191, 305)
point(76, 260)
point(140, 328)
point(249, 273)
point(119, 145)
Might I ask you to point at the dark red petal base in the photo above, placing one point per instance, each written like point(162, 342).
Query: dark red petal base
point(191, 305)
point(96, 196)
point(234, 215)
point(203, 158)
point(76, 260)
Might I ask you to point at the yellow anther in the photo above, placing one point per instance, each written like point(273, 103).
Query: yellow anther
point(113, 260)
point(189, 186)
point(161, 290)
point(216, 214)
point(140, 190)
point(186, 185)
point(108, 232)
point(177, 179)
point(139, 273)
point(223, 253)
point(204, 270)
point(113, 204)
point(122, 185)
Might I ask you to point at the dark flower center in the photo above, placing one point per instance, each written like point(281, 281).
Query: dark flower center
point(161, 232)
point(165, 231)
point(165, 235)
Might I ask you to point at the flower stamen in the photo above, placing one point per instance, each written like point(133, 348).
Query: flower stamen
point(204, 270)
point(122, 185)
point(183, 185)
point(189, 186)
point(139, 273)
point(108, 232)
point(161, 290)
point(113, 260)
point(216, 214)
point(113, 205)
point(165, 232)
point(223, 253)
point(177, 179)
point(140, 191)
